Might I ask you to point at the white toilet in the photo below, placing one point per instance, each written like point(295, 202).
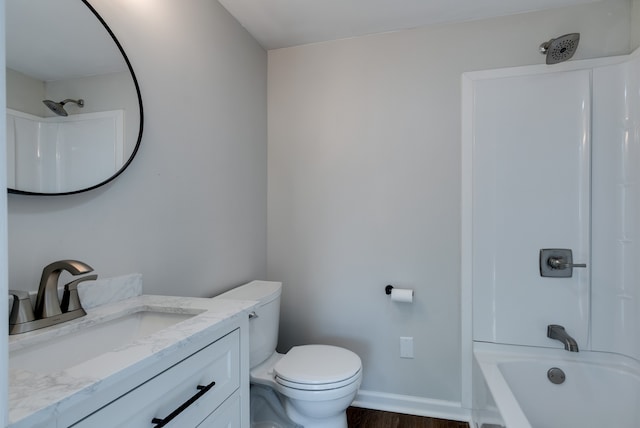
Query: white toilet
point(315, 383)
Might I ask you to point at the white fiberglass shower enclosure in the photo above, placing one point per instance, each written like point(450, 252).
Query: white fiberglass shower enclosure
point(551, 160)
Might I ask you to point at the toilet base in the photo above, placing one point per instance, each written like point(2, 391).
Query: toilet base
point(287, 411)
point(267, 410)
point(335, 421)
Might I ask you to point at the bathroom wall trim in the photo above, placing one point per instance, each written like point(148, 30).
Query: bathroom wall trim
point(412, 405)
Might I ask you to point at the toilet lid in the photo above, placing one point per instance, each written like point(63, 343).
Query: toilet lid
point(317, 364)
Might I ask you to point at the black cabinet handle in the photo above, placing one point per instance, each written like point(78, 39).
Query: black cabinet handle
point(202, 390)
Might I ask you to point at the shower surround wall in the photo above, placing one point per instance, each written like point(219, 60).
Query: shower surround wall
point(41, 151)
point(531, 182)
point(114, 91)
point(615, 273)
point(552, 158)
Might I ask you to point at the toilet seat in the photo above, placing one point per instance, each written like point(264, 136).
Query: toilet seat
point(317, 367)
point(317, 387)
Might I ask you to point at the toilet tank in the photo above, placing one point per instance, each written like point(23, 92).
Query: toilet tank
point(263, 328)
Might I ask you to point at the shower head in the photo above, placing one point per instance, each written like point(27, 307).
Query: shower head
point(560, 49)
point(58, 108)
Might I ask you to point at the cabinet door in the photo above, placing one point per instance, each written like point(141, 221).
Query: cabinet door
point(179, 386)
point(226, 416)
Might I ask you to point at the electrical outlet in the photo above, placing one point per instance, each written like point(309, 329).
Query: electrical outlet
point(406, 347)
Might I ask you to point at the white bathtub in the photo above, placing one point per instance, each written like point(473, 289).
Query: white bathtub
point(600, 390)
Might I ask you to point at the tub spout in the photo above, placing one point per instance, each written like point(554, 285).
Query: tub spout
point(558, 332)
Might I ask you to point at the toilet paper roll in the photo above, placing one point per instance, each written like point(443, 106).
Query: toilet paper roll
point(403, 295)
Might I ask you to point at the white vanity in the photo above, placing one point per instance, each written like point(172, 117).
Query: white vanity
point(192, 372)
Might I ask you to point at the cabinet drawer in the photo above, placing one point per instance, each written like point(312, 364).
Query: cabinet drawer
point(226, 416)
point(166, 392)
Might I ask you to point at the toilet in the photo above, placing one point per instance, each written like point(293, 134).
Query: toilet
point(314, 383)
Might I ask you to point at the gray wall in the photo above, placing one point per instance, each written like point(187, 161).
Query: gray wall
point(364, 185)
point(190, 212)
point(25, 93)
point(635, 24)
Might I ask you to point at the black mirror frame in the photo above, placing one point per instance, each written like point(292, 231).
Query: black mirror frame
point(137, 146)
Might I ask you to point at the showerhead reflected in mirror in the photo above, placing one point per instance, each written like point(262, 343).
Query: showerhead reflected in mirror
point(58, 108)
point(63, 50)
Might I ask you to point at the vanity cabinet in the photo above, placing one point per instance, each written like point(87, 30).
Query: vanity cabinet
point(202, 390)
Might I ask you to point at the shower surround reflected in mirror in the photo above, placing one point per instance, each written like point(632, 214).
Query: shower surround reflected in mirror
point(63, 58)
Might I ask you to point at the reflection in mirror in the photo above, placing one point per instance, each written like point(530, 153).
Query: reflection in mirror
point(63, 58)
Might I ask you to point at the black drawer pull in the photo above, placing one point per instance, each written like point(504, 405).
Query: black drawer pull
point(202, 390)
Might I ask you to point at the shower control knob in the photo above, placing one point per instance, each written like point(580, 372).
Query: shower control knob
point(561, 263)
point(558, 263)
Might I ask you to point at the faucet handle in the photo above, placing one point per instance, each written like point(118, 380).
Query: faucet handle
point(70, 298)
point(21, 310)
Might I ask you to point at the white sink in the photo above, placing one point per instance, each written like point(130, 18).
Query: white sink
point(61, 351)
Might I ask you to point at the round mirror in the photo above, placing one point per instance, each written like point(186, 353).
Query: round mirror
point(74, 111)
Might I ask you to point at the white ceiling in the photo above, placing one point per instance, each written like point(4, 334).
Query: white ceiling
point(282, 23)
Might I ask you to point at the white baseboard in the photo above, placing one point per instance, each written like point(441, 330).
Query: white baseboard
point(411, 405)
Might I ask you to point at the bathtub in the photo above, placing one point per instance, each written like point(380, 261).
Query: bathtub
point(600, 389)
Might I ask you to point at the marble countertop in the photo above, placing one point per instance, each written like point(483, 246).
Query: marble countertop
point(36, 399)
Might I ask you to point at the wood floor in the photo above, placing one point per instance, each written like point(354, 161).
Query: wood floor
point(366, 418)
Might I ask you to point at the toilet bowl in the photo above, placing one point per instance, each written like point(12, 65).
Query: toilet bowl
point(315, 383)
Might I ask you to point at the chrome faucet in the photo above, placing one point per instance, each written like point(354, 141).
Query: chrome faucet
point(47, 302)
point(558, 332)
point(48, 309)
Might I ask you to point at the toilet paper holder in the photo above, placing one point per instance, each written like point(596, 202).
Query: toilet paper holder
point(400, 295)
